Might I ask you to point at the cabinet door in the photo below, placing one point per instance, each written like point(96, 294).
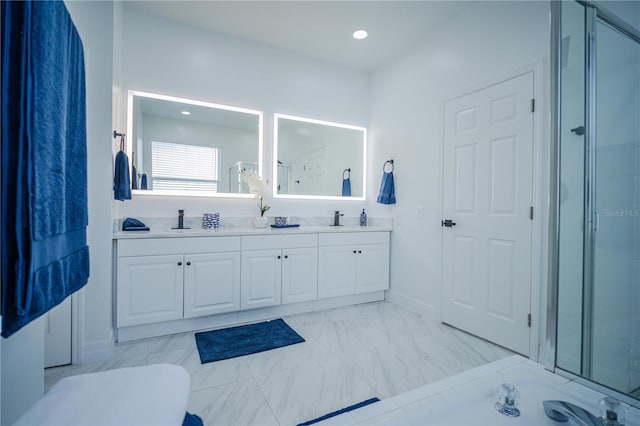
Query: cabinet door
point(260, 279)
point(299, 275)
point(373, 268)
point(149, 289)
point(336, 271)
point(211, 284)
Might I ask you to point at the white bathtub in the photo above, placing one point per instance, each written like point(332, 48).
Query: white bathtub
point(468, 399)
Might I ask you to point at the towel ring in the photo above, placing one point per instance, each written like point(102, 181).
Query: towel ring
point(348, 171)
point(384, 166)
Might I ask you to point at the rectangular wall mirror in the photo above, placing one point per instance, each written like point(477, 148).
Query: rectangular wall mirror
point(318, 159)
point(186, 147)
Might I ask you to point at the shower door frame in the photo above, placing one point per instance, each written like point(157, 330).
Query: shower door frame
point(594, 11)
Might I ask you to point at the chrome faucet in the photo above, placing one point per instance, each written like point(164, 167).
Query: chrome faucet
point(336, 218)
point(562, 411)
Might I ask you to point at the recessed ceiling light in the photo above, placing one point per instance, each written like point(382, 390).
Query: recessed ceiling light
point(185, 113)
point(360, 34)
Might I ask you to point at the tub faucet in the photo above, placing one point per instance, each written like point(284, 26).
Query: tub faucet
point(562, 411)
point(336, 218)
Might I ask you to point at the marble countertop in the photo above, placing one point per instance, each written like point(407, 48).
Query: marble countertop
point(240, 231)
point(239, 226)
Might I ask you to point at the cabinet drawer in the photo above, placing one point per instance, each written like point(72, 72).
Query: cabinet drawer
point(160, 246)
point(267, 242)
point(351, 238)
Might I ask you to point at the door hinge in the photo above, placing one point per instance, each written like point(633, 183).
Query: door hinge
point(531, 212)
point(533, 105)
point(529, 320)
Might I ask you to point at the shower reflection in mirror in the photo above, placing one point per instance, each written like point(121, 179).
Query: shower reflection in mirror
point(311, 157)
point(189, 147)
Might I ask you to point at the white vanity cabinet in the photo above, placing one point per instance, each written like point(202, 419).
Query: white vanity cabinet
point(155, 284)
point(299, 274)
point(149, 289)
point(211, 284)
point(278, 269)
point(175, 283)
point(352, 263)
point(261, 279)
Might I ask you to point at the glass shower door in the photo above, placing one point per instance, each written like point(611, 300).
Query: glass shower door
point(598, 266)
point(571, 189)
point(615, 277)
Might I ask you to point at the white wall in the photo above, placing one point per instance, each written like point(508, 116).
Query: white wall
point(172, 59)
point(22, 374)
point(95, 23)
point(486, 42)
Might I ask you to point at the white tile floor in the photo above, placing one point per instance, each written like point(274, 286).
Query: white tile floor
point(350, 354)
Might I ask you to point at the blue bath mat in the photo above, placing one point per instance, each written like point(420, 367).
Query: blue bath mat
point(192, 420)
point(342, 411)
point(248, 339)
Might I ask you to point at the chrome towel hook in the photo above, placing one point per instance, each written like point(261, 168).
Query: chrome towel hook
point(348, 172)
point(384, 166)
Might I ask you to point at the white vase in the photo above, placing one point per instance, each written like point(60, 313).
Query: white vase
point(259, 222)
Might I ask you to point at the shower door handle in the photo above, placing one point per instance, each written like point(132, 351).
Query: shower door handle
point(578, 130)
point(447, 223)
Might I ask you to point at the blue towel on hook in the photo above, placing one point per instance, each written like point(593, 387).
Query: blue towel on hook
point(134, 177)
point(44, 161)
point(387, 189)
point(121, 178)
point(346, 187)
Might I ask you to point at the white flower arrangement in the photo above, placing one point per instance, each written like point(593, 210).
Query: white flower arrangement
point(256, 186)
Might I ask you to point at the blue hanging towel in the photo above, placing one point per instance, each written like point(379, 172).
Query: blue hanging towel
point(121, 178)
point(45, 257)
point(134, 177)
point(143, 181)
point(387, 190)
point(346, 187)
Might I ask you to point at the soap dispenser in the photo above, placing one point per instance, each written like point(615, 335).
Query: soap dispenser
point(363, 218)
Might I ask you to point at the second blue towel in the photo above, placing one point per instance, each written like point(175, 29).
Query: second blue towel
point(387, 189)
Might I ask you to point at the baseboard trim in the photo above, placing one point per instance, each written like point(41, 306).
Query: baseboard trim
point(412, 304)
point(97, 351)
point(125, 334)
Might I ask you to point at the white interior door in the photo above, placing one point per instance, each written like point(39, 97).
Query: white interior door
point(57, 335)
point(315, 171)
point(487, 193)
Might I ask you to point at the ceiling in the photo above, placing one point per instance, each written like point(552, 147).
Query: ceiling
point(321, 29)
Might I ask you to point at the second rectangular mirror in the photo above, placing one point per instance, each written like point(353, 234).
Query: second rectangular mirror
point(318, 159)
